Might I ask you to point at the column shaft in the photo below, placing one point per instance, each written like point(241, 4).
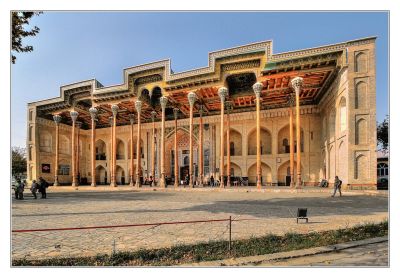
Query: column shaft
point(162, 149)
point(56, 159)
point(291, 144)
point(258, 143)
point(191, 147)
point(228, 151)
point(298, 151)
point(132, 159)
point(153, 158)
point(201, 163)
point(93, 154)
point(73, 164)
point(138, 154)
point(176, 183)
point(113, 178)
point(221, 164)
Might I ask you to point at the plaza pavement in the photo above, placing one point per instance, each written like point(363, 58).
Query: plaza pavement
point(256, 214)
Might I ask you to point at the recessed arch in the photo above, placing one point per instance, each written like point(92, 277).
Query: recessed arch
point(361, 167)
point(361, 95)
point(284, 171)
point(284, 139)
point(343, 114)
point(236, 171)
point(101, 175)
point(120, 175)
point(45, 141)
point(361, 62)
point(120, 154)
point(266, 176)
point(361, 132)
point(235, 144)
point(101, 150)
point(64, 145)
point(332, 123)
point(265, 138)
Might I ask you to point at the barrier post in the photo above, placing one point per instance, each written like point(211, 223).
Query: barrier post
point(230, 234)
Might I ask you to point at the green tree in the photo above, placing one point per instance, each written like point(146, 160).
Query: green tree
point(18, 160)
point(18, 22)
point(383, 134)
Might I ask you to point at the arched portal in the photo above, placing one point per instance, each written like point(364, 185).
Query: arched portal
point(284, 139)
point(101, 150)
point(236, 171)
point(101, 175)
point(120, 175)
point(284, 173)
point(266, 176)
point(266, 142)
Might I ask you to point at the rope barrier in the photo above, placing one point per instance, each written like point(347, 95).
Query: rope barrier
point(120, 226)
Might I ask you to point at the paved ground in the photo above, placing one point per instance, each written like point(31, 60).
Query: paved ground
point(260, 213)
point(368, 255)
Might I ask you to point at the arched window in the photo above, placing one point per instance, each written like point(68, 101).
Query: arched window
point(361, 62)
point(382, 169)
point(343, 114)
point(45, 142)
point(361, 95)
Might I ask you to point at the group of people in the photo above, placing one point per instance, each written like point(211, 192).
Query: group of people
point(40, 186)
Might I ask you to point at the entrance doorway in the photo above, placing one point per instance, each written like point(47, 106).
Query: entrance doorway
point(184, 172)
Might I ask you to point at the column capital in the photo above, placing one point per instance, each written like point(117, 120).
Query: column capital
point(57, 119)
point(111, 120)
point(223, 93)
point(176, 111)
point(153, 115)
point(257, 88)
point(132, 118)
point(229, 106)
point(93, 112)
point(114, 109)
point(138, 105)
point(297, 83)
point(192, 98)
point(74, 115)
point(163, 102)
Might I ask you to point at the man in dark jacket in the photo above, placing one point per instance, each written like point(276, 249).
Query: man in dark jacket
point(42, 187)
point(337, 186)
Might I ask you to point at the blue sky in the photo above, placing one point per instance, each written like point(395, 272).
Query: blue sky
point(75, 46)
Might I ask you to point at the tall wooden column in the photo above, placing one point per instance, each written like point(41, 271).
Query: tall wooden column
point(228, 149)
point(132, 121)
point(297, 83)
point(111, 159)
point(257, 88)
point(163, 102)
point(93, 114)
point(153, 139)
point(138, 106)
point(74, 116)
point(114, 109)
point(223, 93)
point(176, 183)
point(57, 120)
point(291, 142)
point(77, 157)
point(192, 99)
point(201, 163)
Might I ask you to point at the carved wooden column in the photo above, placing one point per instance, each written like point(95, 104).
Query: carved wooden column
point(176, 183)
point(201, 163)
point(57, 120)
point(111, 160)
point(163, 102)
point(132, 121)
point(192, 99)
point(138, 106)
point(223, 93)
point(297, 83)
point(74, 116)
point(291, 137)
point(93, 114)
point(257, 90)
point(228, 149)
point(77, 157)
point(114, 109)
point(153, 139)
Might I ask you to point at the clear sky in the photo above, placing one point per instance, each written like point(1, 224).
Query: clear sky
point(76, 46)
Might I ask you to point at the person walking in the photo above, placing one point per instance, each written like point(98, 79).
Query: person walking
point(34, 188)
point(20, 190)
point(43, 186)
point(212, 181)
point(337, 186)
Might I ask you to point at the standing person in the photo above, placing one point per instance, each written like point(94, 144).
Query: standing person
point(43, 185)
point(34, 188)
point(212, 181)
point(337, 186)
point(186, 179)
point(20, 190)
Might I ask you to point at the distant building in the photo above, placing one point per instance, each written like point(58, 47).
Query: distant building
point(169, 125)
